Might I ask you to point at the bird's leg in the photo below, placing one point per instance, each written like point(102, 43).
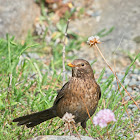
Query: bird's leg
point(76, 130)
point(87, 132)
point(83, 124)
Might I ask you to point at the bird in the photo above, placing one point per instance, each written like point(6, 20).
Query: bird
point(79, 94)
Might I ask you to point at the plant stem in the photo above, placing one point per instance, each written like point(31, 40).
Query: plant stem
point(126, 109)
point(116, 76)
point(64, 47)
point(76, 130)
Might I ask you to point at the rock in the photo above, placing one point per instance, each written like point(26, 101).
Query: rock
point(129, 89)
point(132, 82)
point(136, 71)
point(127, 98)
point(136, 89)
point(138, 83)
point(17, 17)
point(134, 109)
point(126, 81)
point(51, 137)
point(138, 77)
point(120, 76)
point(135, 76)
point(131, 106)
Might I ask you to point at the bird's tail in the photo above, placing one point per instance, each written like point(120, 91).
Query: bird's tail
point(36, 118)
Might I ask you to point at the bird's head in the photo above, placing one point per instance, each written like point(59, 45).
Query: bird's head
point(81, 68)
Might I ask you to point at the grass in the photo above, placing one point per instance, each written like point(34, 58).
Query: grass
point(29, 85)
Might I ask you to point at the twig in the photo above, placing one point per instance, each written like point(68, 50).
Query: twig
point(76, 130)
point(126, 109)
point(116, 76)
point(69, 128)
point(64, 47)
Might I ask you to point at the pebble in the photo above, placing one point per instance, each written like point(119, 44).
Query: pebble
point(127, 98)
point(126, 81)
point(33, 55)
point(136, 71)
point(134, 76)
point(129, 89)
point(138, 78)
point(136, 89)
point(132, 82)
point(131, 106)
point(120, 76)
point(134, 109)
point(137, 83)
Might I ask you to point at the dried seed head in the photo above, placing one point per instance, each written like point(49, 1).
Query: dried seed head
point(93, 40)
point(68, 118)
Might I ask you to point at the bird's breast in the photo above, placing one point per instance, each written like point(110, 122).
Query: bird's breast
point(80, 96)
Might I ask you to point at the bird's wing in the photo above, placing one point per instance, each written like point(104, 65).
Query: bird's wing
point(61, 93)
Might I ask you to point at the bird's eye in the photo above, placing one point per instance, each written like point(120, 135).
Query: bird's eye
point(82, 64)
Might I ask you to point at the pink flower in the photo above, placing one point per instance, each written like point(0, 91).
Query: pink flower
point(103, 117)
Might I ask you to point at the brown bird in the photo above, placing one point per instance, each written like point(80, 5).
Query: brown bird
point(81, 86)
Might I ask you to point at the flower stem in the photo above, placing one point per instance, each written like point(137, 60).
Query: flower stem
point(116, 76)
point(64, 47)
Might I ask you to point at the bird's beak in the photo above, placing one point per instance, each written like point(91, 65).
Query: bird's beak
point(71, 65)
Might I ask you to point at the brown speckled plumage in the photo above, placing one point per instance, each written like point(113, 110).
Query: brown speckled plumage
point(82, 83)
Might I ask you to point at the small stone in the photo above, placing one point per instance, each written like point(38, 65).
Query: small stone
point(138, 77)
point(126, 81)
point(137, 83)
point(120, 76)
point(96, 14)
point(134, 76)
point(131, 106)
point(132, 82)
point(33, 55)
point(136, 89)
point(127, 98)
point(129, 89)
point(134, 109)
point(136, 71)
point(90, 12)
